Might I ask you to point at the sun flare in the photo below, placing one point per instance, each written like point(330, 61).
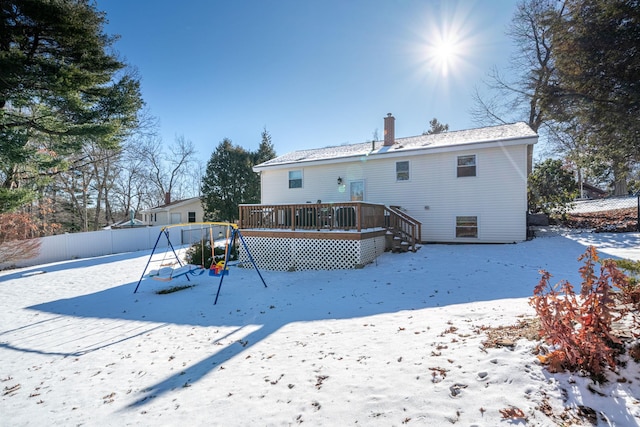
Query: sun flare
point(448, 37)
point(444, 53)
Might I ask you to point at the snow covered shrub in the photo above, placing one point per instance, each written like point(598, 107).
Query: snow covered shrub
point(200, 253)
point(579, 327)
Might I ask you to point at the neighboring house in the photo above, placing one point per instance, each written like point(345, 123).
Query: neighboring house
point(463, 186)
point(178, 212)
point(127, 223)
point(592, 192)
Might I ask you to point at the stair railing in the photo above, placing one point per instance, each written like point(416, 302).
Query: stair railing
point(404, 226)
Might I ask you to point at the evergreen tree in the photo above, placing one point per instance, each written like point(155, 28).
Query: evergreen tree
point(436, 127)
point(265, 152)
point(230, 180)
point(576, 69)
point(60, 87)
point(551, 187)
point(598, 67)
point(224, 186)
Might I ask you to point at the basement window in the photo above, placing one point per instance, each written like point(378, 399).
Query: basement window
point(295, 179)
point(402, 171)
point(467, 165)
point(467, 226)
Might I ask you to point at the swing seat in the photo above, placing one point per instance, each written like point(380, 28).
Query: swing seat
point(218, 273)
point(218, 269)
point(167, 273)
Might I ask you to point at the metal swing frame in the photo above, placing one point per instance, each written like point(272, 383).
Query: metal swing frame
point(234, 234)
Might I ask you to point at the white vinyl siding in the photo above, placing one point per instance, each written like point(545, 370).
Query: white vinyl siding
point(176, 213)
point(434, 195)
point(176, 218)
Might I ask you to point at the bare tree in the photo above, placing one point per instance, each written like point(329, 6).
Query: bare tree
point(76, 183)
point(169, 171)
point(525, 97)
point(105, 165)
point(131, 185)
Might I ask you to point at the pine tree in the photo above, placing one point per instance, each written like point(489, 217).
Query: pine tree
point(551, 187)
point(60, 86)
point(436, 127)
point(230, 180)
point(265, 152)
point(598, 66)
point(225, 183)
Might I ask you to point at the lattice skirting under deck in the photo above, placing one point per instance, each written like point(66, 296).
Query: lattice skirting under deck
point(291, 254)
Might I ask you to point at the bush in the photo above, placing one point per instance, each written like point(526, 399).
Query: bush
point(19, 230)
point(629, 295)
point(195, 256)
point(579, 327)
point(551, 188)
point(632, 268)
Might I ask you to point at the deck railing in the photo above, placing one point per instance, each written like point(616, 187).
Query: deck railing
point(356, 216)
point(404, 226)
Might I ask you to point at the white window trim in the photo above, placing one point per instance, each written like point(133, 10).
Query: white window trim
point(289, 179)
point(408, 171)
point(456, 165)
point(455, 226)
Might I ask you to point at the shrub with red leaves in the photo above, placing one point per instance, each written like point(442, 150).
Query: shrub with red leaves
point(579, 326)
point(19, 232)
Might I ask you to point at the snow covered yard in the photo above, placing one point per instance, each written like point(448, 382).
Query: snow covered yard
point(399, 342)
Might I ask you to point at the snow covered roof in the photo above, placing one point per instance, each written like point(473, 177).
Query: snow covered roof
point(445, 140)
point(127, 223)
point(174, 204)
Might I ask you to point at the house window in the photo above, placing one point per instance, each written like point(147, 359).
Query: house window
point(467, 226)
point(402, 171)
point(192, 217)
point(356, 189)
point(295, 179)
point(467, 165)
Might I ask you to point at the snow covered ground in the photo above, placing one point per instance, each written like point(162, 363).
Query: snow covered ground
point(399, 342)
point(599, 205)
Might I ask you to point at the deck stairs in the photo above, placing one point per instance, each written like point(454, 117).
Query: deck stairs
point(403, 231)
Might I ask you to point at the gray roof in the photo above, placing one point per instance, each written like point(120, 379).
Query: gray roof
point(174, 203)
point(421, 142)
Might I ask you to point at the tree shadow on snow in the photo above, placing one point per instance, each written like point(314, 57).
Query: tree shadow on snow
point(24, 272)
point(435, 276)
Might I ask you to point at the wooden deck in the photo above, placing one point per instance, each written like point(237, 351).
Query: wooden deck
point(336, 221)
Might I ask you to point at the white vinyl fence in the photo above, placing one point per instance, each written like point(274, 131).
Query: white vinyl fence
point(105, 242)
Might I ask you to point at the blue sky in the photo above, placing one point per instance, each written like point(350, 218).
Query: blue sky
point(314, 73)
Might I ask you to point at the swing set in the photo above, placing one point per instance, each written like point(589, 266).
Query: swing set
point(174, 267)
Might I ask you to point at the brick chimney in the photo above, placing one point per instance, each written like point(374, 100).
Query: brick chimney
point(389, 130)
point(167, 198)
